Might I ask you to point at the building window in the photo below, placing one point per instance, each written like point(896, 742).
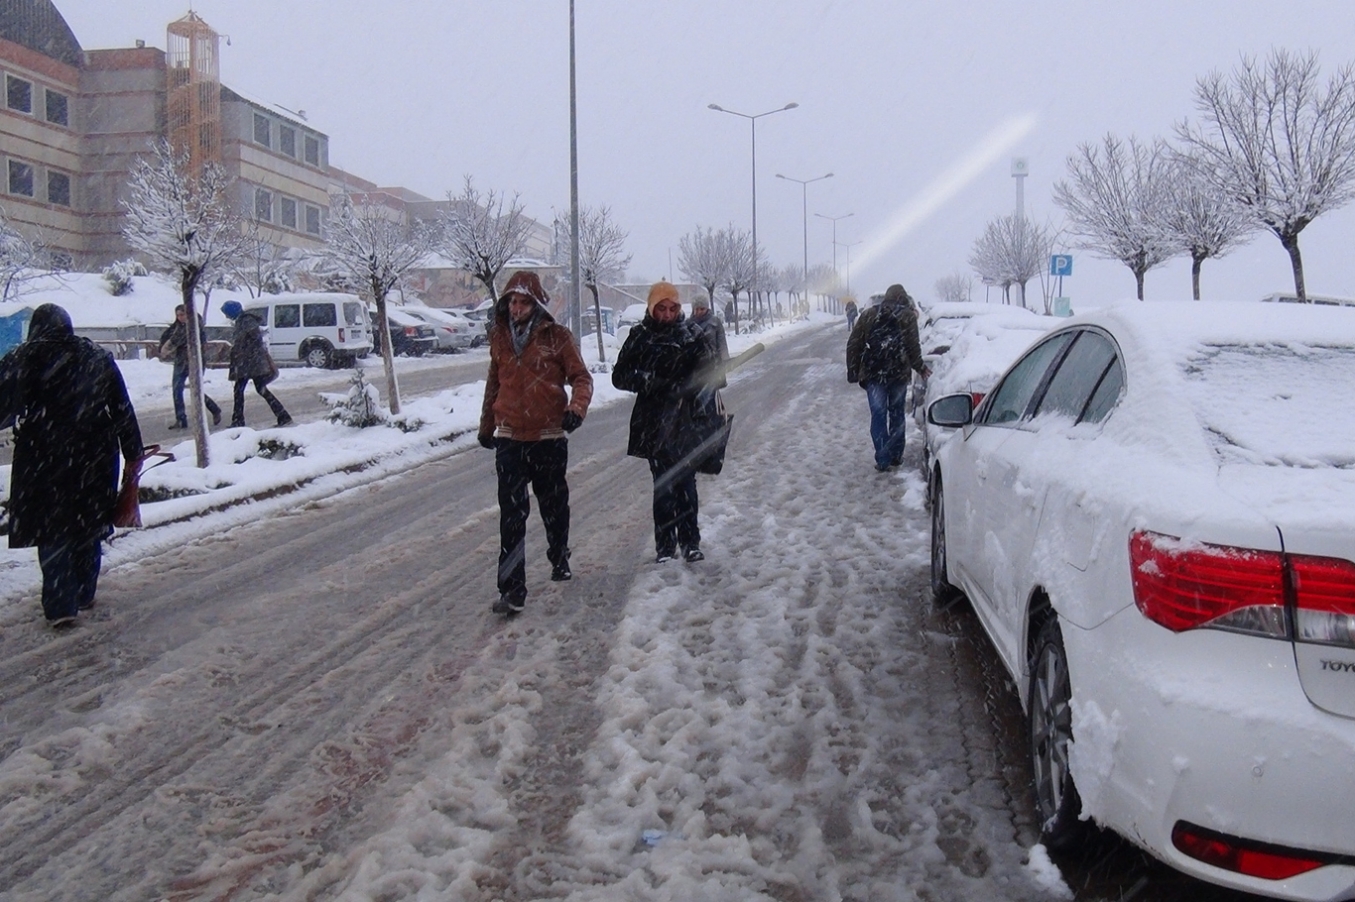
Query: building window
point(20, 178)
point(312, 219)
point(312, 150)
point(287, 140)
point(19, 94)
point(263, 205)
point(58, 108)
point(59, 189)
point(263, 130)
point(288, 212)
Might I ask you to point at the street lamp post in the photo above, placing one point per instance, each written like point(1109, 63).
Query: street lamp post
point(804, 220)
point(752, 121)
point(833, 220)
point(849, 245)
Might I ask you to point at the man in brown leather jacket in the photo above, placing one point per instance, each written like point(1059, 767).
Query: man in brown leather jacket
point(525, 416)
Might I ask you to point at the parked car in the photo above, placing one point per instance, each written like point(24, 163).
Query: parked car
point(939, 324)
point(453, 331)
point(409, 337)
point(972, 360)
point(1153, 515)
point(321, 330)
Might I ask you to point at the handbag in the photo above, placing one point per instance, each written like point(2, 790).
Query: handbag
point(127, 509)
point(711, 428)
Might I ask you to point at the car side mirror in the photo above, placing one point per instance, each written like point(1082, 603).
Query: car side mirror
point(952, 411)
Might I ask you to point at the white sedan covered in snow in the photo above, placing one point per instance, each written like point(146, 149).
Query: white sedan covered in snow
point(1153, 515)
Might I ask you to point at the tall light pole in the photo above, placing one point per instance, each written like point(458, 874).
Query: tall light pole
point(804, 219)
point(752, 121)
point(849, 245)
point(575, 298)
point(833, 220)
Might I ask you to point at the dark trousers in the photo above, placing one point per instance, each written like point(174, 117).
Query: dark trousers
point(260, 386)
point(888, 403)
point(178, 381)
point(70, 574)
point(542, 466)
point(675, 506)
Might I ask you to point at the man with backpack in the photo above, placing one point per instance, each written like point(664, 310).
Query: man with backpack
point(883, 351)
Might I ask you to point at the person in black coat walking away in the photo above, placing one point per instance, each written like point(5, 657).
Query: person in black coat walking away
point(667, 362)
point(68, 405)
point(250, 360)
point(174, 340)
point(882, 353)
point(709, 323)
point(850, 309)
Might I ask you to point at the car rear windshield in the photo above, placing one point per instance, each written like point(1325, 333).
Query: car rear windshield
point(354, 313)
point(1275, 404)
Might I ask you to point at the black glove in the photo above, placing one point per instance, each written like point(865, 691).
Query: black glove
point(486, 439)
point(571, 421)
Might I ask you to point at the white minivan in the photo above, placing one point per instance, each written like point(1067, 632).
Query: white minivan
point(320, 330)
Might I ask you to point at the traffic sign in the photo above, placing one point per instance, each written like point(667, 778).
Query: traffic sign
point(1061, 265)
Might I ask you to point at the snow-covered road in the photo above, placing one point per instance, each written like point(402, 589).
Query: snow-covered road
point(319, 705)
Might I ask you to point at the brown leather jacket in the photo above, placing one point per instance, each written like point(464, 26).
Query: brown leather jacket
point(525, 396)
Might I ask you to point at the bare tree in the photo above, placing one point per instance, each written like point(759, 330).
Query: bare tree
point(823, 281)
point(1278, 144)
point(1203, 222)
point(601, 257)
point(791, 278)
point(375, 251)
point(956, 287)
point(262, 267)
point(1011, 251)
point(703, 257)
point(738, 246)
point(480, 236)
point(21, 259)
point(184, 224)
point(1115, 202)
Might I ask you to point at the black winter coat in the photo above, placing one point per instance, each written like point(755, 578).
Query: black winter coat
point(249, 355)
point(667, 366)
point(883, 346)
point(71, 415)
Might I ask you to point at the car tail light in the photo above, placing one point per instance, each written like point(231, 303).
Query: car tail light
point(411, 331)
point(1243, 856)
point(1325, 608)
point(977, 396)
point(1185, 585)
point(341, 338)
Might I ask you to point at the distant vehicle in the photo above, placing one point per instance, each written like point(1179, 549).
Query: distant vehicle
point(1312, 299)
point(631, 315)
point(409, 337)
point(321, 330)
point(453, 331)
point(972, 359)
point(1153, 516)
point(589, 320)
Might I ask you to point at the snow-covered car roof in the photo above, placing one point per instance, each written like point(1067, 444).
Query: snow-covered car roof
point(1227, 405)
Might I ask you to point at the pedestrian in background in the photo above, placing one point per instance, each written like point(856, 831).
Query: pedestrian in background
point(524, 418)
point(668, 362)
point(174, 343)
point(704, 319)
point(882, 353)
point(66, 400)
point(850, 309)
point(250, 361)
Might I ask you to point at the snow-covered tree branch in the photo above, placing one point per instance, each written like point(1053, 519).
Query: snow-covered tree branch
point(184, 224)
point(602, 244)
point(375, 251)
point(1278, 144)
point(1011, 251)
point(21, 259)
point(480, 236)
point(1116, 200)
point(1203, 222)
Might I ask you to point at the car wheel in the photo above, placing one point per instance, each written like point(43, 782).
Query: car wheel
point(942, 590)
point(1051, 732)
point(320, 356)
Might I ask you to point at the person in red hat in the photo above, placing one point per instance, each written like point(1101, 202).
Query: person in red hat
point(525, 417)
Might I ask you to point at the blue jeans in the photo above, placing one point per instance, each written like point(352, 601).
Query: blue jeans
point(70, 575)
point(888, 404)
point(178, 381)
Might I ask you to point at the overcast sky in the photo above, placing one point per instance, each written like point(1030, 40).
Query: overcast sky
point(917, 109)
